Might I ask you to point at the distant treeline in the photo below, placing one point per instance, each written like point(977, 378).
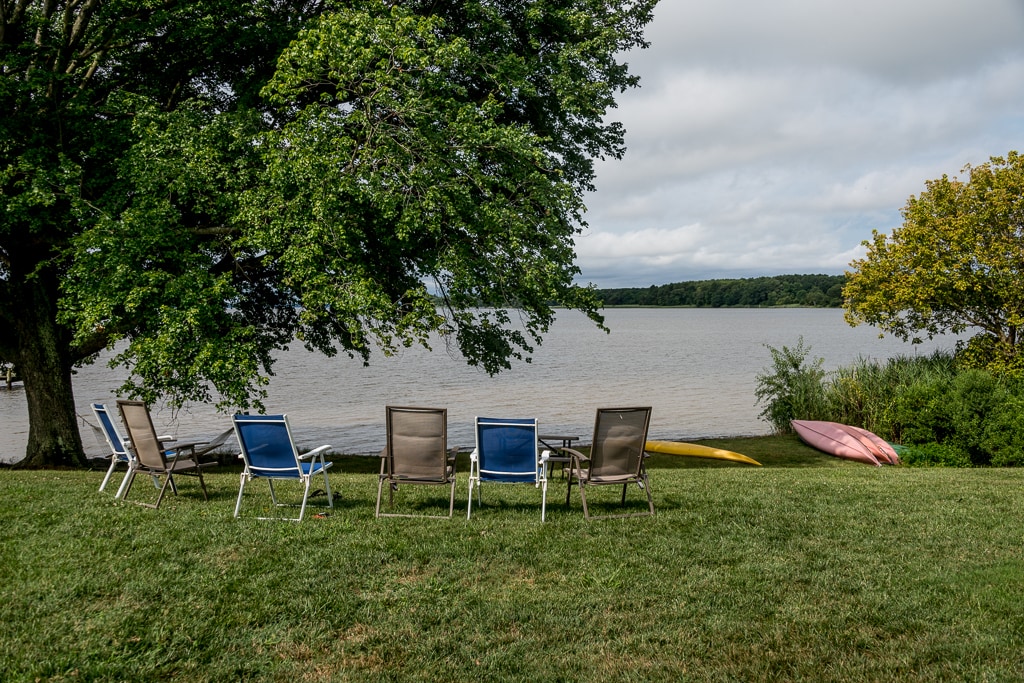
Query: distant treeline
point(782, 290)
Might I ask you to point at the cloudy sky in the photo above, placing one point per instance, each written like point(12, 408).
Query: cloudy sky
point(773, 137)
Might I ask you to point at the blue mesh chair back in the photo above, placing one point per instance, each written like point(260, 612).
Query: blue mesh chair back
point(267, 446)
point(507, 449)
point(113, 437)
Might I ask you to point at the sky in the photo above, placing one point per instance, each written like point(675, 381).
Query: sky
point(771, 138)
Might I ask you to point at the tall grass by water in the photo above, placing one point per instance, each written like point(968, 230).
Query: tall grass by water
point(809, 568)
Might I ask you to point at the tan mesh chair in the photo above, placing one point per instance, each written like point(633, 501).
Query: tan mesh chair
point(416, 453)
point(616, 457)
point(150, 455)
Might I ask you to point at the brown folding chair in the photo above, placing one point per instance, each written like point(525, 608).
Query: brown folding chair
point(616, 457)
point(150, 455)
point(416, 453)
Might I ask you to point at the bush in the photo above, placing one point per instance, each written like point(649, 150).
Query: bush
point(1004, 434)
point(934, 455)
point(920, 412)
point(975, 396)
point(986, 352)
point(792, 389)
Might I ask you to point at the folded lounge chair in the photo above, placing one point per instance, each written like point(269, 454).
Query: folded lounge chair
point(269, 453)
point(152, 458)
point(416, 453)
point(119, 453)
point(616, 456)
point(506, 453)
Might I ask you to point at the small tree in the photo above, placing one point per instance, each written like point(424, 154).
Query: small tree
point(956, 263)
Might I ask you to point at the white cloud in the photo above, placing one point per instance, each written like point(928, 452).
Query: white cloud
point(774, 137)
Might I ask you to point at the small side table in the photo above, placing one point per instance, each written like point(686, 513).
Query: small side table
point(566, 442)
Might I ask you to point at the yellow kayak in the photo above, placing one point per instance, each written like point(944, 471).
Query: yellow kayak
point(697, 451)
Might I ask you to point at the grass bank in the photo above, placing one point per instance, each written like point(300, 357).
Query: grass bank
point(807, 568)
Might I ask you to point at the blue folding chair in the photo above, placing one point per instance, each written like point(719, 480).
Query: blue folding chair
point(269, 453)
point(119, 453)
point(507, 453)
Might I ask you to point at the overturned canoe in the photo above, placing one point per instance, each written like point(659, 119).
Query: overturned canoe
point(834, 439)
point(882, 449)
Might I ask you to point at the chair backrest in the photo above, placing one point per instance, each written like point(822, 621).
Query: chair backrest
point(417, 443)
point(136, 419)
point(267, 444)
point(620, 435)
point(507, 449)
point(110, 432)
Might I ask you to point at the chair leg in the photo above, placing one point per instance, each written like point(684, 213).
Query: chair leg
point(380, 492)
point(305, 497)
point(163, 489)
point(273, 496)
point(583, 497)
point(469, 507)
point(624, 486)
point(327, 488)
point(126, 483)
point(202, 483)
point(110, 471)
point(451, 501)
point(241, 487)
point(543, 498)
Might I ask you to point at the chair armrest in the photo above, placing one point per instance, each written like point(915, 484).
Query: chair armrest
point(474, 455)
point(572, 452)
point(189, 445)
point(315, 452)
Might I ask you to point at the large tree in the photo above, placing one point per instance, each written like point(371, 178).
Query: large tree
point(956, 263)
point(207, 181)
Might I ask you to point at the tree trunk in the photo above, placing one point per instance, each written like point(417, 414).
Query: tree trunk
point(45, 366)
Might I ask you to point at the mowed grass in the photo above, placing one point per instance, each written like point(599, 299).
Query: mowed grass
point(808, 568)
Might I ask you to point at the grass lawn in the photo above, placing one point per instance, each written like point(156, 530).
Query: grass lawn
point(808, 568)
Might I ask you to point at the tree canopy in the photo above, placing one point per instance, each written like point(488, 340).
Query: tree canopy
point(957, 263)
point(210, 180)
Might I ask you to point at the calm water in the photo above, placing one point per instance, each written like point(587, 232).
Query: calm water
point(696, 367)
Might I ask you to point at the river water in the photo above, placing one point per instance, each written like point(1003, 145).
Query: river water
point(697, 368)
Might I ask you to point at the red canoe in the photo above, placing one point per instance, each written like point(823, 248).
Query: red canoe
point(834, 439)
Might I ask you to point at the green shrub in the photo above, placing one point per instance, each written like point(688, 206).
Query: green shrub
point(934, 455)
point(984, 351)
point(792, 389)
point(1004, 434)
point(975, 396)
